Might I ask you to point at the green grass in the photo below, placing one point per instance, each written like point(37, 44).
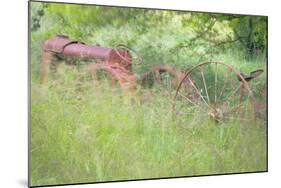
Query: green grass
point(86, 133)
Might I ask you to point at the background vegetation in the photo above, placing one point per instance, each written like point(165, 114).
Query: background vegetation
point(86, 133)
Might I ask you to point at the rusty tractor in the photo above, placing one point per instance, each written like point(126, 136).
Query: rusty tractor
point(116, 62)
point(214, 89)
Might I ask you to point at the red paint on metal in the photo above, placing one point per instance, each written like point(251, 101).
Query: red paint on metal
point(117, 62)
point(57, 44)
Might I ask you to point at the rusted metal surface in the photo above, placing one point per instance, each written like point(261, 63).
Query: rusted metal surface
point(176, 76)
point(216, 109)
point(117, 62)
point(125, 78)
point(160, 69)
point(253, 74)
point(57, 44)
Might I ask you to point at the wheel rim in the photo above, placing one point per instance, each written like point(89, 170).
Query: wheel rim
point(214, 90)
point(136, 56)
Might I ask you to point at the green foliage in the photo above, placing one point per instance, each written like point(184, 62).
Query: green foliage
point(85, 134)
point(82, 133)
point(160, 36)
point(252, 33)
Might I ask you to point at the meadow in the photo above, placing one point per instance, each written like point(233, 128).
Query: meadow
point(88, 133)
point(85, 132)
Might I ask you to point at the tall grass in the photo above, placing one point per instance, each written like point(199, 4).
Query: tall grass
point(82, 132)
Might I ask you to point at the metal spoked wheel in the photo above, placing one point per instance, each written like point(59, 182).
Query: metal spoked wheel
point(135, 56)
point(165, 77)
point(214, 90)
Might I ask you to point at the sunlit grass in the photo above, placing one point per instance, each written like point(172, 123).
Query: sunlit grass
point(90, 132)
point(82, 132)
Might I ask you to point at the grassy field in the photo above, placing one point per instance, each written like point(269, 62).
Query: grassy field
point(86, 133)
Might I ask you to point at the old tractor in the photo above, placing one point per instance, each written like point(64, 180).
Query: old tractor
point(214, 89)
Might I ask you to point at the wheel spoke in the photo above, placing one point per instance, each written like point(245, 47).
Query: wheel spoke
point(228, 103)
point(226, 76)
point(204, 82)
point(187, 99)
point(196, 89)
point(234, 91)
